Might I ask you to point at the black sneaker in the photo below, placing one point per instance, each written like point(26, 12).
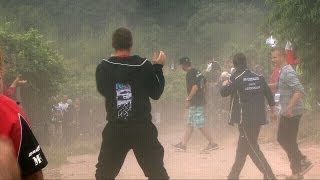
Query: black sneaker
point(211, 147)
point(180, 147)
point(306, 165)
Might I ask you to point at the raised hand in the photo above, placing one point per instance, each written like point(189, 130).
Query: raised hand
point(19, 80)
point(159, 59)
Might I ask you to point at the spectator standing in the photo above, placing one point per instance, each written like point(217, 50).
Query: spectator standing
point(291, 93)
point(127, 82)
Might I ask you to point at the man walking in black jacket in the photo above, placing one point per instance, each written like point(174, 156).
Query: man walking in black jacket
point(127, 82)
point(248, 91)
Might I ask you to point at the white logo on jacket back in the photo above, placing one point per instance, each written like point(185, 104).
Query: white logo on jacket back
point(124, 100)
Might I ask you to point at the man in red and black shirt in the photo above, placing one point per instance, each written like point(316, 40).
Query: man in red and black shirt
point(15, 126)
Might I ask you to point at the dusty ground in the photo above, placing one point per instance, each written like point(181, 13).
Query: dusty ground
point(192, 164)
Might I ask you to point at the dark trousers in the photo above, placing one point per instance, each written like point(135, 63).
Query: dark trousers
point(118, 139)
point(287, 138)
point(66, 133)
point(248, 145)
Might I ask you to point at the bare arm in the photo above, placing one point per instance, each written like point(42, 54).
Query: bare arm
point(8, 164)
point(193, 91)
point(17, 81)
point(35, 176)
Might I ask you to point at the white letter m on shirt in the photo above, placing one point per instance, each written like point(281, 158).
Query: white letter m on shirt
point(37, 159)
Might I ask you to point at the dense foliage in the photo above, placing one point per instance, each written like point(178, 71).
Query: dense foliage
point(80, 31)
point(299, 22)
point(30, 55)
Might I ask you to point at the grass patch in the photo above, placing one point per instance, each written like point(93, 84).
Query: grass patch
point(310, 127)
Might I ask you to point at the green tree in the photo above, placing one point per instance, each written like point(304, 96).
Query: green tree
point(221, 28)
point(30, 54)
point(81, 31)
point(299, 22)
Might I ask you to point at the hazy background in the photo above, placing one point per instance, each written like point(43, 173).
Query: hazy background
point(56, 46)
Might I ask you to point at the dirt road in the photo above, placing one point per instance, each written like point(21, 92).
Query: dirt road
point(191, 164)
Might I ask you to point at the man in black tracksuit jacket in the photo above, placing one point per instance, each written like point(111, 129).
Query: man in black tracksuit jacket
point(127, 82)
point(248, 91)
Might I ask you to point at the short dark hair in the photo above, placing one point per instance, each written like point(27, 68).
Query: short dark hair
point(239, 60)
point(282, 51)
point(122, 39)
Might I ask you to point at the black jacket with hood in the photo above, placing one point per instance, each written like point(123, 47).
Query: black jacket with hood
point(127, 83)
